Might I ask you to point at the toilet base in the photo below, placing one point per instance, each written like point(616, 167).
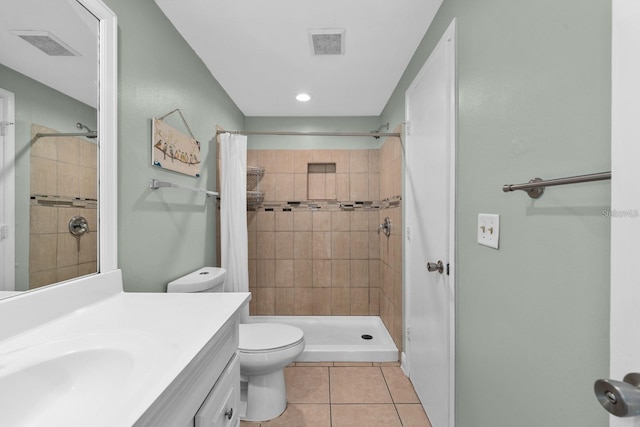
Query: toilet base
point(265, 396)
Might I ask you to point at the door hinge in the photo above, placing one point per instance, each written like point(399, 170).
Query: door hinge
point(407, 127)
point(4, 232)
point(4, 128)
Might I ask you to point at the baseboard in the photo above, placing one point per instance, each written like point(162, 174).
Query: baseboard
point(404, 365)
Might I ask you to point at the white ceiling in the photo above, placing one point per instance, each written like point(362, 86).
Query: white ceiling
point(259, 51)
point(67, 20)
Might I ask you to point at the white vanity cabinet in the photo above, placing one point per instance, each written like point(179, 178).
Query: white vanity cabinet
point(207, 391)
point(221, 407)
point(121, 359)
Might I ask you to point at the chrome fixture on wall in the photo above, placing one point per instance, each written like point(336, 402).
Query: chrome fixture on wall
point(535, 187)
point(377, 131)
point(621, 398)
point(90, 133)
point(78, 226)
point(385, 227)
point(155, 184)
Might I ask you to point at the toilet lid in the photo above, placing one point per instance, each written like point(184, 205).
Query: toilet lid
point(268, 336)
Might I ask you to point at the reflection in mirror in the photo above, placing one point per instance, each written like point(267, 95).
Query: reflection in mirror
point(49, 82)
point(63, 186)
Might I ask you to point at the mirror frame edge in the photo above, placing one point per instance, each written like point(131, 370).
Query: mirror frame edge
point(107, 134)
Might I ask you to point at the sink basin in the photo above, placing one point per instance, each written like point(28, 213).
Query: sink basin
point(62, 385)
point(72, 379)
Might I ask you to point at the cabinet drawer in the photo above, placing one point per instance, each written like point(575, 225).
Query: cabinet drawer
point(221, 407)
point(181, 400)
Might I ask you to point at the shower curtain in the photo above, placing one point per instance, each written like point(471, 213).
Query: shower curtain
point(233, 218)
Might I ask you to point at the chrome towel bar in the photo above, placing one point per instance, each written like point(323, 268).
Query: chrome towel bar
point(535, 187)
point(154, 184)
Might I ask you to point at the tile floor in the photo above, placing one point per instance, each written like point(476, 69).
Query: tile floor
point(348, 395)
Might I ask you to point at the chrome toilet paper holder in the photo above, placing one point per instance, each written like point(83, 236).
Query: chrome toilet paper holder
point(621, 398)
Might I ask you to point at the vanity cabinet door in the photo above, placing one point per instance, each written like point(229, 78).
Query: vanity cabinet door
point(178, 404)
point(221, 407)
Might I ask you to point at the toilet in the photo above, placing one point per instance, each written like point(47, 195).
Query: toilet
point(265, 349)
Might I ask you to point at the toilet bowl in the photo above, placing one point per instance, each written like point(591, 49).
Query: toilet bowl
point(264, 349)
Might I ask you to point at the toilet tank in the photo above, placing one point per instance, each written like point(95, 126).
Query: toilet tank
point(207, 279)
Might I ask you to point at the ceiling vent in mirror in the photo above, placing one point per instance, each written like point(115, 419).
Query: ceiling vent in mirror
point(327, 42)
point(46, 42)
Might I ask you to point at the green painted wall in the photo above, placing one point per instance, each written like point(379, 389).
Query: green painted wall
point(534, 100)
point(313, 124)
point(39, 104)
point(166, 233)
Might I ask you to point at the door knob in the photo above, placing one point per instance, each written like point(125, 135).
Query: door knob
point(435, 266)
point(621, 398)
point(229, 413)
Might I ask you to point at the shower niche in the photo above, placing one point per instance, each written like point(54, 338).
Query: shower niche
point(321, 181)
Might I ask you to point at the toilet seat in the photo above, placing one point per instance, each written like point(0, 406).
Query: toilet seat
point(268, 337)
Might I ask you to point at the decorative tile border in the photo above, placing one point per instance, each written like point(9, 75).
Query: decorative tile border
point(327, 205)
point(61, 201)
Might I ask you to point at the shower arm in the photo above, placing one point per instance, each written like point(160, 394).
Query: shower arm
point(91, 134)
point(88, 134)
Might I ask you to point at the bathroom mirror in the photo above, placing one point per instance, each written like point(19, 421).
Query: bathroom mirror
point(57, 76)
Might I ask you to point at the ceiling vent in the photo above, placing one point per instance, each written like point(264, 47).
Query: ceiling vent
point(46, 42)
point(327, 42)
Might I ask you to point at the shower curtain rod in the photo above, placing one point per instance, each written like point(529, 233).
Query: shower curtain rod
point(250, 132)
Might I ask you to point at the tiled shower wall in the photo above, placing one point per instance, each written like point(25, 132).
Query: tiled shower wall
point(323, 261)
point(391, 290)
point(63, 185)
point(314, 262)
point(356, 176)
point(316, 258)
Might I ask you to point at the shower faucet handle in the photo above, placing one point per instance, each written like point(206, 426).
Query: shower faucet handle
point(78, 226)
point(385, 227)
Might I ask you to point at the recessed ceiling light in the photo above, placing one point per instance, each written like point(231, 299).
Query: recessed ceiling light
point(303, 97)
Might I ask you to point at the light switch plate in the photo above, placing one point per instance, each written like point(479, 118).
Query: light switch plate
point(489, 230)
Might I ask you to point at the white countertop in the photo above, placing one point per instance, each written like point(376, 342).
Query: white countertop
point(125, 348)
point(6, 294)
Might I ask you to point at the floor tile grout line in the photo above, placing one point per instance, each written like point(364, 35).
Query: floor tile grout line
point(366, 403)
point(329, 385)
point(387, 384)
point(395, 406)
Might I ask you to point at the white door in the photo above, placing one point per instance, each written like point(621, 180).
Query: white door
point(7, 192)
point(625, 196)
point(429, 238)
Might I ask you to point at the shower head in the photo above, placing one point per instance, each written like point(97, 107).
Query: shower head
point(90, 133)
point(384, 126)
